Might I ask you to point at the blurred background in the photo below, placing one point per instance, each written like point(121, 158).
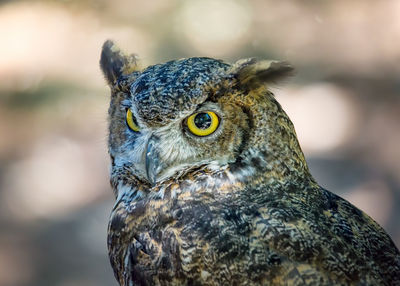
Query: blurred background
point(55, 198)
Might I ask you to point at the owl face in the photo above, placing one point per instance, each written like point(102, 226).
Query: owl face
point(171, 118)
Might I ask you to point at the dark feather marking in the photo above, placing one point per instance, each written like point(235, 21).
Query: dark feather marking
point(117, 223)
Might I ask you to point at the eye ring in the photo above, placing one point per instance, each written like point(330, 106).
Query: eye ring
point(203, 123)
point(131, 121)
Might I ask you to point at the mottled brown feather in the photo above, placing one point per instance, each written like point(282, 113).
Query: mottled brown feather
point(240, 206)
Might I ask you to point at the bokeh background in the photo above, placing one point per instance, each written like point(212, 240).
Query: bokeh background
point(54, 192)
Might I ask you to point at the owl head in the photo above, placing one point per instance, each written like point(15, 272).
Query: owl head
point(169, 119)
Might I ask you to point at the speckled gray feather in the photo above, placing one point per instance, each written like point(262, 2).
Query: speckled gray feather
point(186, 80)
point(238, 207)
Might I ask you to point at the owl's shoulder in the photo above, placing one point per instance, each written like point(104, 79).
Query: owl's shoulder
point(315, 226)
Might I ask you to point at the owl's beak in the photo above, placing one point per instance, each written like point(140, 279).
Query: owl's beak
point(153, 163)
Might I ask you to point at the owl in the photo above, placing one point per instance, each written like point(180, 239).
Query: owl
point(212, 187)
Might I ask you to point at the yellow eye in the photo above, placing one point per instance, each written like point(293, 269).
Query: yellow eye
point(131, 121)
point(203, 123)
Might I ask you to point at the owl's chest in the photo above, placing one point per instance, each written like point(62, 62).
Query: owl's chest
point(195, 234)
point(182, 235)
point(193, 217)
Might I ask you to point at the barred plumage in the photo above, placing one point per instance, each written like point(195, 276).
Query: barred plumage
point(236, 207)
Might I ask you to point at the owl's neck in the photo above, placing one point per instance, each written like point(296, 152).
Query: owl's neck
point(272, 152)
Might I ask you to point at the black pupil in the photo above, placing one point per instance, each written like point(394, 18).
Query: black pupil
point(202, 120)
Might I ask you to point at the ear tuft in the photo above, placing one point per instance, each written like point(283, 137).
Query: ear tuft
point(251, 72)
point(114, 63)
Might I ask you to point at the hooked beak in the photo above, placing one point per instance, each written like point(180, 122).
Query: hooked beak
point(154, 166)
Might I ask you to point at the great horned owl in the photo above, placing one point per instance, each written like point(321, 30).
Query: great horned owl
point(212, 187)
